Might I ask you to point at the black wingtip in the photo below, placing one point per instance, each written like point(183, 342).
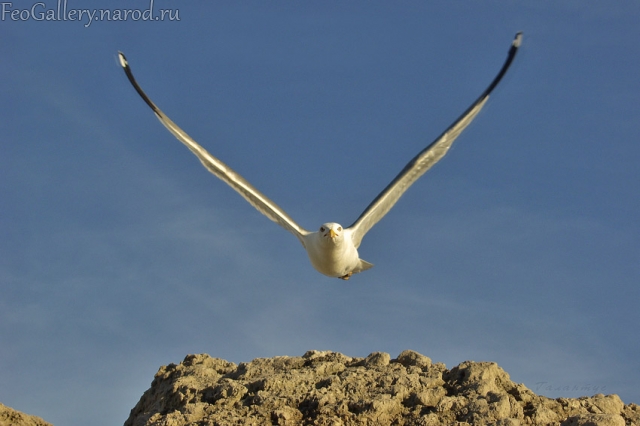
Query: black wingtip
point(515, 44)
point(127, 70)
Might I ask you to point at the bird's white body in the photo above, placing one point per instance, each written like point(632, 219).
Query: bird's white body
point(333, 250)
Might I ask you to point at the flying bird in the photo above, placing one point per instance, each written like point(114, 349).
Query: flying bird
point(333, 249)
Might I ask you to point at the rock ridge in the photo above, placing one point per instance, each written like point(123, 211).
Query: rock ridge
point(329, 388)
point(11, 417)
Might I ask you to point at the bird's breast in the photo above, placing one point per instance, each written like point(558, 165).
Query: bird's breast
point(333, 258)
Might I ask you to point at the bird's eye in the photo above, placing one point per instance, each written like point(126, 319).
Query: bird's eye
point(339, 228)
point(322, 229)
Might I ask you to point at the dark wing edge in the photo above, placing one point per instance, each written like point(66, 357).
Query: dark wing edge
point(257, 199)
point(422, 162)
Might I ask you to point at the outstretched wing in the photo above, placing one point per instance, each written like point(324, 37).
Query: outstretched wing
point(257, 199)
point(425, 159)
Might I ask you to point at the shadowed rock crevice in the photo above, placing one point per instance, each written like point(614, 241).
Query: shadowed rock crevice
point(329, 388)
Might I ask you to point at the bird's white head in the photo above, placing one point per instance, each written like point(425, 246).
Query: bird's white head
point(332, 231)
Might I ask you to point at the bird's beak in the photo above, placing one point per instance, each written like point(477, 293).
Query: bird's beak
point(332, 233)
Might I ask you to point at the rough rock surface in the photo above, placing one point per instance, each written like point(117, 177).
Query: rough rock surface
point(328, 388)
point(11, 417)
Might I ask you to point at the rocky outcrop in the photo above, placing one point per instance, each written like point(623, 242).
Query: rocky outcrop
point(11, 417)
point(328, 388)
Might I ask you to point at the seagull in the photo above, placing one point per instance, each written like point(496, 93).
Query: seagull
point(333, 249)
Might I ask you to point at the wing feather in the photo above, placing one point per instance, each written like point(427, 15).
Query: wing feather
point(422, 162)
point(256, 198)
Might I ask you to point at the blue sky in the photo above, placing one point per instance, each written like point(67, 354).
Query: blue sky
point(119, 253)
